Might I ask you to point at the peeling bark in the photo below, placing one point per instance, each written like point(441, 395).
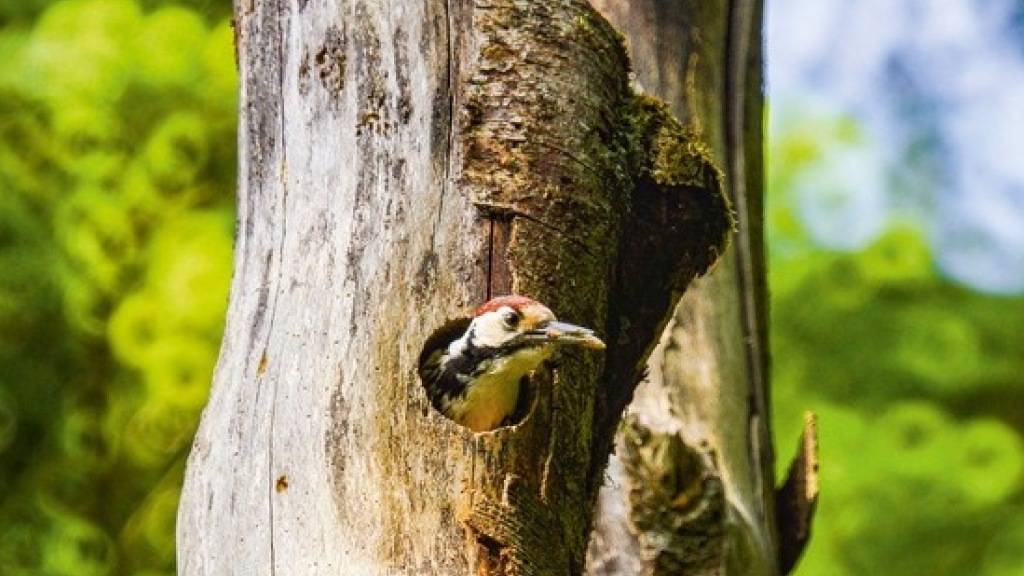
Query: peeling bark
point(400, 162)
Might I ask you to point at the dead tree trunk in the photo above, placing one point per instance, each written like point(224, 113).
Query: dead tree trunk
point(400, 162)
point(691, 486)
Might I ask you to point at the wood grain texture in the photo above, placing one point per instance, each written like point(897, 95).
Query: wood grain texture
point(399, 162)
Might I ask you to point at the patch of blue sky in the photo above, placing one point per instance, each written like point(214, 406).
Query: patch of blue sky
point(937, 90)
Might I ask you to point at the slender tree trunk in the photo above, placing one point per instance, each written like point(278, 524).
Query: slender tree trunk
point(400, 162)
point(691, 487)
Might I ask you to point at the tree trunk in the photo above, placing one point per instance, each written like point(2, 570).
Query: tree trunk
point(691, 486)
point(401, 162)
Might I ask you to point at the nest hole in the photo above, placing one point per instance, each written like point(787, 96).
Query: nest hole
point(440, 393)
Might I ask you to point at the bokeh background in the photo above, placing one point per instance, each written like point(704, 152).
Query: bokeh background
point(117, 167)
point(896, 238)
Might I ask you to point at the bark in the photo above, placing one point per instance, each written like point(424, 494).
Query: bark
point(691, 487)
point(401, 162)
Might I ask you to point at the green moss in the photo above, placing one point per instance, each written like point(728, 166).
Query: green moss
point(662, 148)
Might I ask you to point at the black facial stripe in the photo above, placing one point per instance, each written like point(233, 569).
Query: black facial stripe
point(473, 359)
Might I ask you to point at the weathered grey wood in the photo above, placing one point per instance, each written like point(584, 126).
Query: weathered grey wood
point(691, 488)
point(400, 161)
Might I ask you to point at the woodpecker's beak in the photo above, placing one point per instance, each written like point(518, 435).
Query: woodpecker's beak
point(565, 333)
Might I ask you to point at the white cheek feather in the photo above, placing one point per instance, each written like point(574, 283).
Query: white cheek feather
point(485, 331)
point(489, 329)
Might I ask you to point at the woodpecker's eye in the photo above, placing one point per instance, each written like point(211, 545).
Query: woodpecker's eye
point(511, 319)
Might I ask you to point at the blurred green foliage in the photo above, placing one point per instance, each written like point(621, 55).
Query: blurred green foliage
point(916, 382)
point(117, 159)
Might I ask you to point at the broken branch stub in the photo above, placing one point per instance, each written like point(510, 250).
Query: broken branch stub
point(797, 499)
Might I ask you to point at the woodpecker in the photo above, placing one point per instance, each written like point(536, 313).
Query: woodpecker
point(474, 376)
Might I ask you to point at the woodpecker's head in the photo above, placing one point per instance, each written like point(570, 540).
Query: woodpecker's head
point(473, 375)
point(514, 323)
